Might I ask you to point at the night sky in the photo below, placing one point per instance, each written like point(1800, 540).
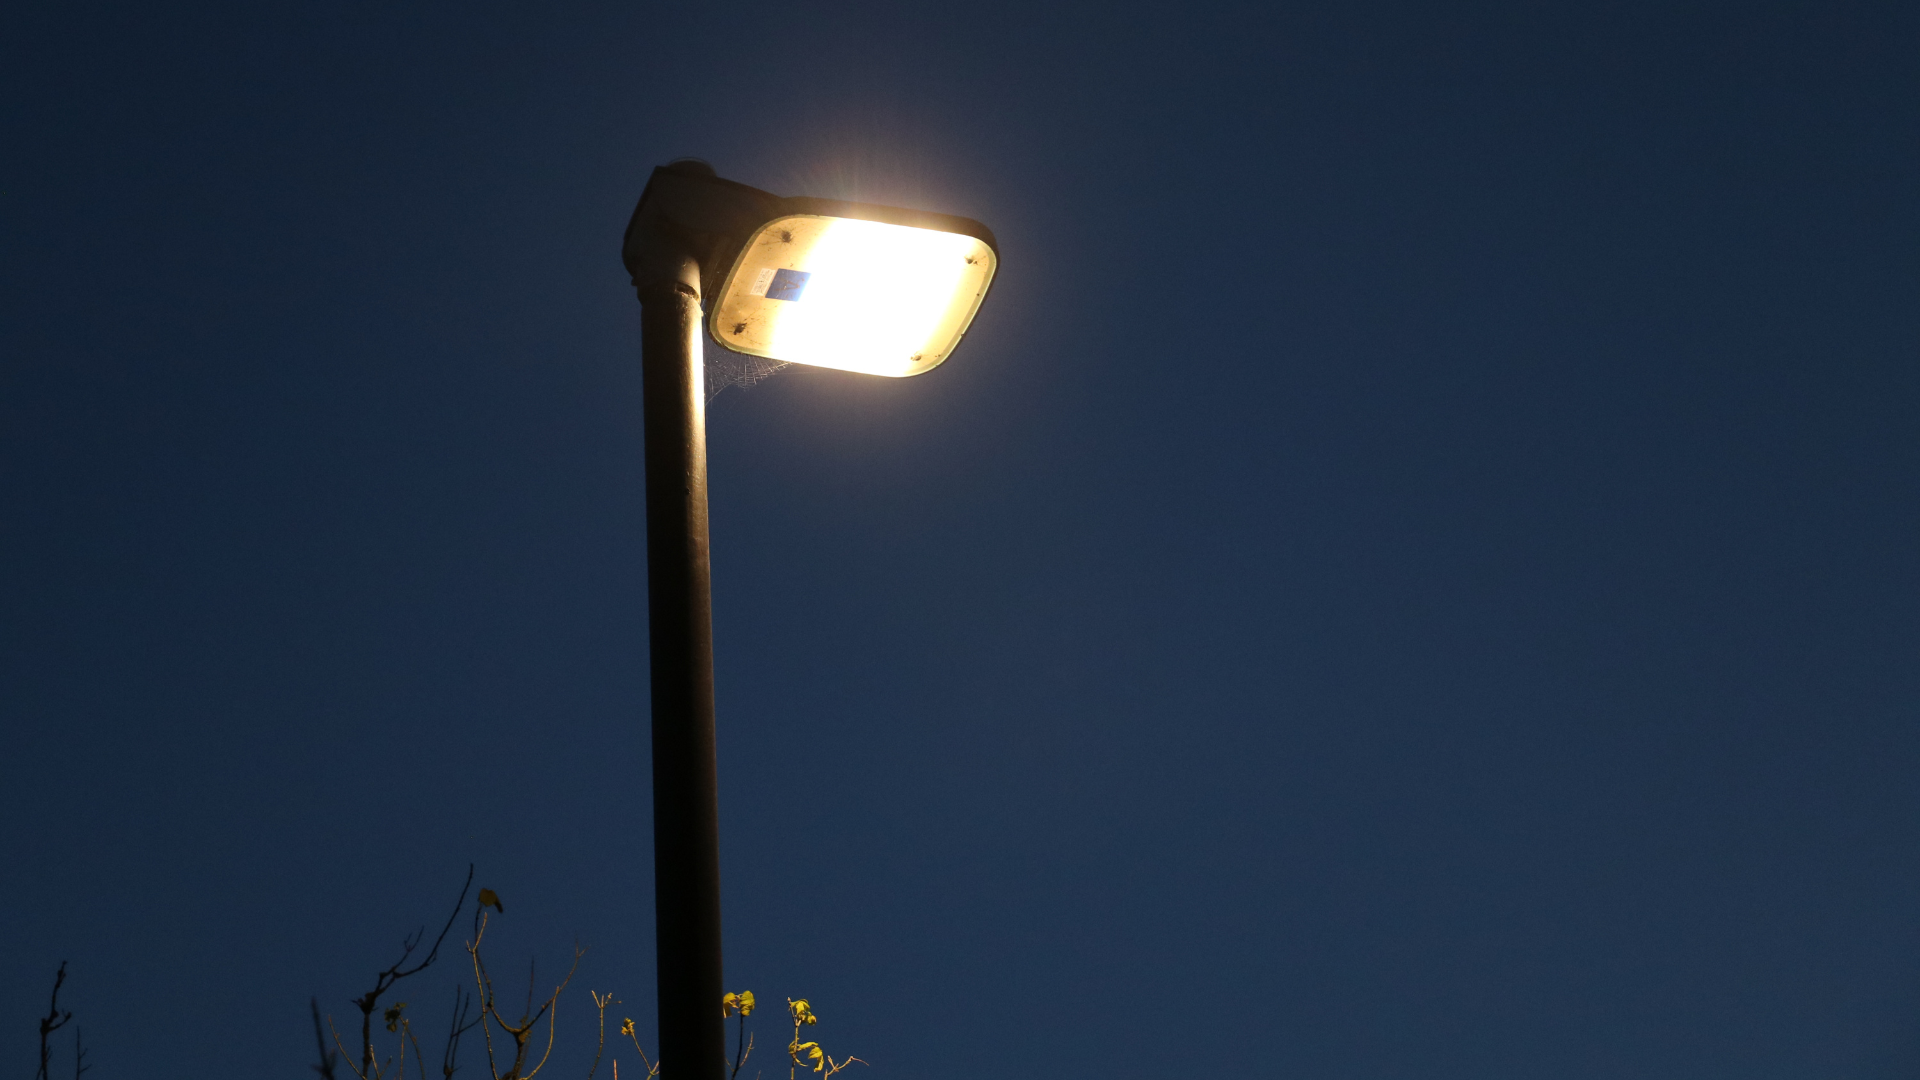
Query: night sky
point(1414, 572)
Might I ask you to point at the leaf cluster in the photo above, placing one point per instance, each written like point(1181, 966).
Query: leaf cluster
point(804, 1054)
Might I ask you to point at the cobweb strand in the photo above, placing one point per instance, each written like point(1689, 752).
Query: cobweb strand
point(728, 368)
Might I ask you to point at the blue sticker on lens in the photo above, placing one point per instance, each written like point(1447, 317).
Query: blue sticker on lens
point(787, 285)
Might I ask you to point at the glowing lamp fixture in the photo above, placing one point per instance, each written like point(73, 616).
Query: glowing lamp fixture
point(852, 293)
point(866, 288)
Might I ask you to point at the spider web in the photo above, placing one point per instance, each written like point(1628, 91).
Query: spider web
point(726, 368)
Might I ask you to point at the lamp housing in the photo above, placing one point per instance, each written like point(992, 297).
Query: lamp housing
point(854, 286)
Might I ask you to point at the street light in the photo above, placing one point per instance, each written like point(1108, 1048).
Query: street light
point(844, 285)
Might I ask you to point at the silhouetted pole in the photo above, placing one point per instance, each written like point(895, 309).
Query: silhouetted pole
point(686, 811)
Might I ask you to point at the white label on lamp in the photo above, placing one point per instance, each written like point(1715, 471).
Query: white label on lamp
point(788, 284)
point(760, 282)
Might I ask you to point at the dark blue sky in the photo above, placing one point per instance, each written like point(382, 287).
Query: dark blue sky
point(1412, 574)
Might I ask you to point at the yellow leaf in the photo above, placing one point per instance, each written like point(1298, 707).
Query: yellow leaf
point(746, 1003)
point(489, 898)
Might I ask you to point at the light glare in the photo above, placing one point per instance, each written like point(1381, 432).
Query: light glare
point(858, 295)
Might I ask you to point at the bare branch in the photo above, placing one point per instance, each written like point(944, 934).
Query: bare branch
point(600, 1003)
point(422, 1057)
point(54, 1022)
point(524, 1031)
point(836, 1068)
point(553, 1018)
point(449, 1059)
point(327, 1057)
point(384, 981)
point(485, 984)
point(628, 1030)
point(533, 966)
point(741, 1056)
point(337, 1041)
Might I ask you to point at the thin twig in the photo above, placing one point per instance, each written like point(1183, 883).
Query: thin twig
point(54, 1022)
point(485, 983)
point(407, 1026)
point(341, 1043)
point(327, 1057)
point(549, 1009)
point(742, 1049)
point(836, 1068)
point(627, 1029)
point(600, 1004)
point(449, 1059)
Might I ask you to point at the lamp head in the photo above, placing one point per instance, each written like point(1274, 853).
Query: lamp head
point(846, 285)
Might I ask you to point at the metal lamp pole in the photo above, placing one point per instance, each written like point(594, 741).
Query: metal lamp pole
point(686, 811)
point(687, 231)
